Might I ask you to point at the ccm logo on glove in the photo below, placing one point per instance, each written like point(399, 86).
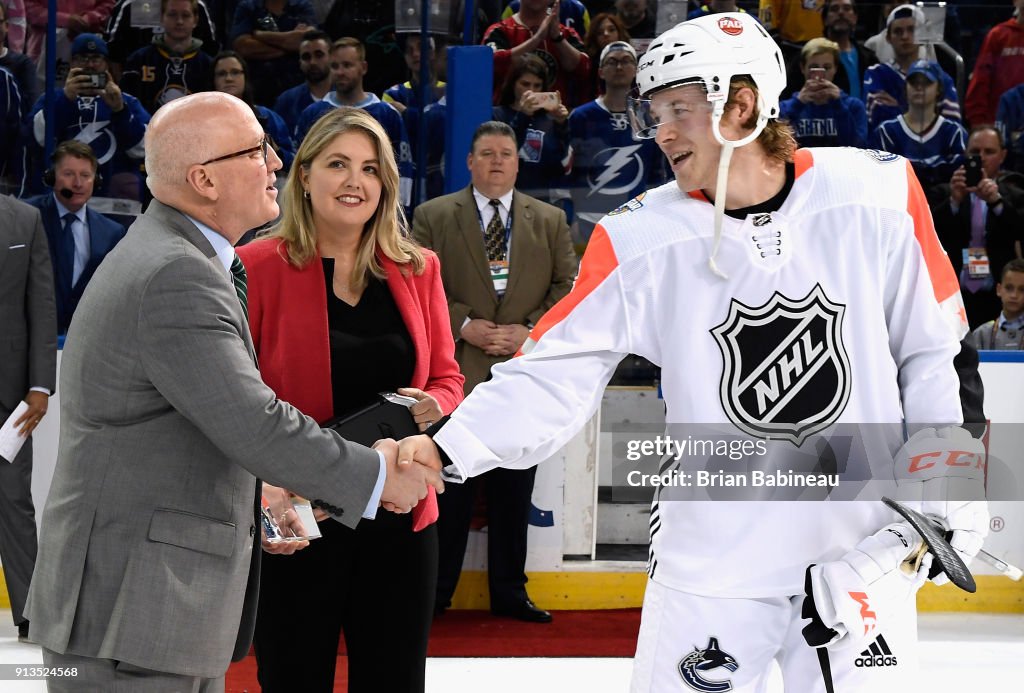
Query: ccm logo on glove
point(949, 458)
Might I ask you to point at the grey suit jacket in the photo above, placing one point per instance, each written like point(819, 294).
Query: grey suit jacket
point(146, 537)
point(28, 312)
point(542, 267)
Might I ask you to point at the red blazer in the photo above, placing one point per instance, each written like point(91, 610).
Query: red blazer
point(288, 321)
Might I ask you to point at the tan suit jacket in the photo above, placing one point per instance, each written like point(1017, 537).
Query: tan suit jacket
point(542, 267)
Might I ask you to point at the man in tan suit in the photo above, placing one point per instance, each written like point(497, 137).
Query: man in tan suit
point(506, 258)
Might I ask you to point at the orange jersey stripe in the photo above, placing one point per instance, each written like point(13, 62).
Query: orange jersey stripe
point(599, 261)
point(944, 280)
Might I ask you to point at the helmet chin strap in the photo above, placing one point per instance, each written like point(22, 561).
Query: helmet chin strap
point(722, 183)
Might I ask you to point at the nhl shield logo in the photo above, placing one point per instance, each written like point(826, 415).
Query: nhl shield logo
point(785, 370)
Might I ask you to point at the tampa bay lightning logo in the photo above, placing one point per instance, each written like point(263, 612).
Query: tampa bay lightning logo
point(616, 170)
point(693, 666)
point(880, 156)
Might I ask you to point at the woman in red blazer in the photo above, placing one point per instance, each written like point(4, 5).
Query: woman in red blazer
point(342, 305)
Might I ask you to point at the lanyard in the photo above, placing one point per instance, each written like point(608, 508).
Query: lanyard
point(995, 331)
point(508, 226)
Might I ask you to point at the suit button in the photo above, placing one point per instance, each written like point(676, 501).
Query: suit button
point(252, 530)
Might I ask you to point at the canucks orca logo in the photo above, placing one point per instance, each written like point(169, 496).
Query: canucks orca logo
point(785, 372)
point(880, 156)
point(710, 658)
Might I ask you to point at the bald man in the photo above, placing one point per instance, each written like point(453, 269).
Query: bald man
point(147, 574)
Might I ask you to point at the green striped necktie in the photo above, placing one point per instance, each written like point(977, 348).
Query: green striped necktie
point(241, 284)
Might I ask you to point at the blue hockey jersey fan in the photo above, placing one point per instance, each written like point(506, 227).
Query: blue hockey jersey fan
point(889, 79)
point(838, 123)
point(1010, 123)
point(934, 153)
point(609, 167)
point(386, 114)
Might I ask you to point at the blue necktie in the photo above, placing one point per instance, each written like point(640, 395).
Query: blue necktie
point(67, 249)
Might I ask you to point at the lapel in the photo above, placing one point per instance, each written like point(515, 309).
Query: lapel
point(180, 225)
point(401, 287)
point(468, 220)
point(522, 239)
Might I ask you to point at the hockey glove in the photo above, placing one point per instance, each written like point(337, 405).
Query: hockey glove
point(849, 599)
point(944, 471)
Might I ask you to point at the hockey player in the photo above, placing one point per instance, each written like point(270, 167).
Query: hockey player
point(783, 293)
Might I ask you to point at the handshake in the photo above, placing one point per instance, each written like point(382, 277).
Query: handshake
point(413, 467)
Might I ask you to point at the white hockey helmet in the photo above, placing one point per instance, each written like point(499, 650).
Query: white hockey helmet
point(711, 50)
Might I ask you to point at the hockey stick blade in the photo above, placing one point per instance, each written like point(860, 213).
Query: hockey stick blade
point(942, 553)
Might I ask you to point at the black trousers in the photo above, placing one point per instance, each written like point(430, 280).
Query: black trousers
point(508, 493)
point(375, 584)
point(17, 525)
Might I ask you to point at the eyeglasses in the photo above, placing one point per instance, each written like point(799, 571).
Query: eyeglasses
point(264, 145)
point(614, 63)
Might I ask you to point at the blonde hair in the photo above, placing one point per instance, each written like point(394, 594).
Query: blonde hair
point(386, 229)
point(819, 45)
point(777, 137)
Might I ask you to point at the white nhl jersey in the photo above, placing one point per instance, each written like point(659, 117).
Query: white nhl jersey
point(838, 308)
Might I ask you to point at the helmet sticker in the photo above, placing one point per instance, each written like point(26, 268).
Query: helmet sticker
point(730, 26)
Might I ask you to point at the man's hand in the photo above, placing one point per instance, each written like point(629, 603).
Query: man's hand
point(478, 332)
point(283, 512)
point(818, 92)
point(112, 95)
point(420, 449)
point(426, 410)
point(988, 190)
point(550, 27)
point(958, 186)
point(79, 83)
point(37, 403)
point(884, 98)
point(407, 482)
point(507, 340)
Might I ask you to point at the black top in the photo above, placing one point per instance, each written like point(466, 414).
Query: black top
point(769, 205)
point(371, 350)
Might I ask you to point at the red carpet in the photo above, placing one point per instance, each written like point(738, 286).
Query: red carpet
point(609, 633)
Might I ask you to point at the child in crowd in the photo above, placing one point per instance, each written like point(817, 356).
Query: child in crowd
point(1007, 331)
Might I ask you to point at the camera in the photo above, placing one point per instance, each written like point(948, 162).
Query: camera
point(98, 80)
point(267, 23)
point(816, 73)
point(972, 170)
point(547, 100)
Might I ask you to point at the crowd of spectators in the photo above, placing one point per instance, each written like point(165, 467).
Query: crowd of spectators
point(556, 83)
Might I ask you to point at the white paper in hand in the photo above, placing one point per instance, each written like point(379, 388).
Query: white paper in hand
point(11, 439)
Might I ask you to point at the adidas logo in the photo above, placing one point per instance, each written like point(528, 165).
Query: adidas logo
point(877, 655)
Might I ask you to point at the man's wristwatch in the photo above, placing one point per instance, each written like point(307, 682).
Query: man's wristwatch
point(559, 38)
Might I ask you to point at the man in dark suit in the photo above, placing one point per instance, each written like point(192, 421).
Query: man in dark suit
point(979, 226)
point(28, 372)
point(79, 238)
point(147, 574)
point(506, 258)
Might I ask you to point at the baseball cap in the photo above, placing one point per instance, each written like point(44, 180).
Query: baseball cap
point(926, 68)
point(616, 47)
point(904, 11)
point(89, 44)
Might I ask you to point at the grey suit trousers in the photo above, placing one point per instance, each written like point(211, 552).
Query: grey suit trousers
point(109, 676)
point(17, 525)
